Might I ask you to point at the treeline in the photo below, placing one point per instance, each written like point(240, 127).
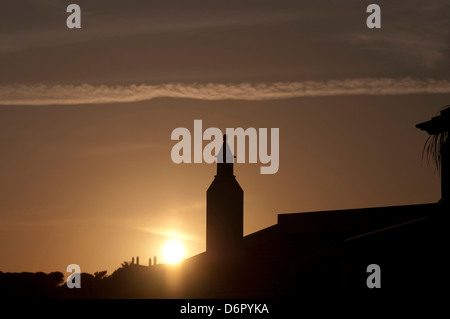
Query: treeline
point(129, 281)
point(30, 285)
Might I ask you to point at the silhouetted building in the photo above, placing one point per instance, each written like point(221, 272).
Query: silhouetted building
point(322, 253)
point(224, 208)
point(318, 253)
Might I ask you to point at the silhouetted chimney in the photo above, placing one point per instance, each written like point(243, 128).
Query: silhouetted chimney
point(132, 260)
point(154, 260)
point(224, 207)
point(438, 128)
point(150, 261)
point(137, 260)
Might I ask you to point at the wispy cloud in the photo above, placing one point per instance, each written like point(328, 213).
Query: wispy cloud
point(416, 33)
point(19, 94)
point(168, 234)
point(118, 148)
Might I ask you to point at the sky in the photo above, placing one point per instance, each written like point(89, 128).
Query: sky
point(86, 117)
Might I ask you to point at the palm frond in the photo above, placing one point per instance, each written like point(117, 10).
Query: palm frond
point(432, 148)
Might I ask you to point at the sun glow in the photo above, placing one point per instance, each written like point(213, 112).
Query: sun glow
point(173, 251)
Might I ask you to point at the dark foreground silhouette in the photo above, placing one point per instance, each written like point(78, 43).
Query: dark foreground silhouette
point(304, 254)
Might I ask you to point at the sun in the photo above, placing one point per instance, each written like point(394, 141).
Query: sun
point(173, 251)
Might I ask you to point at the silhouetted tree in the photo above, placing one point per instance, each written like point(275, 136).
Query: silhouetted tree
point(433, 146)
point(98, 275)
point(30, 285)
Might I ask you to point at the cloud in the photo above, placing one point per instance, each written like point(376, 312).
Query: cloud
point(19, 94)
point(414, 31)
point(168, 234)
point(425, 49)
point(119, 148)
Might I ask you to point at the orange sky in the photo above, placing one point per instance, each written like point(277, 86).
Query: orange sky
point(94, 184)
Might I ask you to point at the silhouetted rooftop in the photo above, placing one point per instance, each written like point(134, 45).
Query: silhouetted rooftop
point(437, 124)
